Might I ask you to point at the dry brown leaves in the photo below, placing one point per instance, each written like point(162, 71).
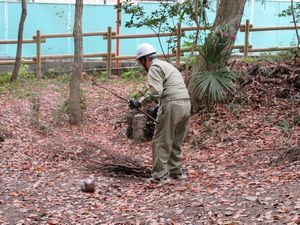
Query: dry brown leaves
point(227, 156)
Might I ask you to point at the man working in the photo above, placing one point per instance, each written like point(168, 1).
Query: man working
point(166, 85)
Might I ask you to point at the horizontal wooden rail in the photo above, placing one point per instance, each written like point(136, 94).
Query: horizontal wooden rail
point(190, 49)
point(63, 35)
point(242, 27)
point(270, 49)
point(273, 28)
point(12, 62)
point(195, 28)
point(174, 33)
point(134, 56)
point(128, 36)
point(66, 56)
point(97, 33)
point(16, 41)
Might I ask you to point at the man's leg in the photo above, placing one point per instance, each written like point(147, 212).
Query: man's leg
point(162, 142)
point(175, 161)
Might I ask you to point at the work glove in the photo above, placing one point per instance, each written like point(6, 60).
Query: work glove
point(134, 104)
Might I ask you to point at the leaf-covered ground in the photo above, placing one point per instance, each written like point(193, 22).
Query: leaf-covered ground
point(240, 169)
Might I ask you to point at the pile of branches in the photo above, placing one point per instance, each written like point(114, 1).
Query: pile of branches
point(109, 161)
point(290, 154)
point(263, 81)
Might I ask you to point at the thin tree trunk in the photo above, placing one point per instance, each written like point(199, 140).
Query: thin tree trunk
point(228, 12)
point(295, 23)
point(15, 73)
point(75, 109)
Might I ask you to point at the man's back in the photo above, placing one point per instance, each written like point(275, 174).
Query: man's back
point(173, 84)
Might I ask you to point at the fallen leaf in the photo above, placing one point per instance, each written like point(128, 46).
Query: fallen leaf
point(251, 198)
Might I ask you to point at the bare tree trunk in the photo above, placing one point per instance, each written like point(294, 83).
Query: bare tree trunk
point(228, 12)
point(75, 109)
point(295, 22)
point(20, 40)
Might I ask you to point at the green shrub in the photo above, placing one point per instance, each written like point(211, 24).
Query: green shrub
point(4, 78)
point(135, 95)
point(134, 75)
point(16, 86)
point(100, 75)
point(52, 73)
point(62, 79)
point(24, 74)
point(141, 92)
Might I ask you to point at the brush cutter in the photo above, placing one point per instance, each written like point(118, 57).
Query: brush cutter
point(86, 77)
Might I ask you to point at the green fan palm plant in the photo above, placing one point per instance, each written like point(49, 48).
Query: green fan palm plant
point(212, 87)
point(213, 84)
point(215, 48)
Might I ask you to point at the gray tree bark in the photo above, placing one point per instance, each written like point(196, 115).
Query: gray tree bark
point(75, 109)
point(16, 70)
point(228, 12)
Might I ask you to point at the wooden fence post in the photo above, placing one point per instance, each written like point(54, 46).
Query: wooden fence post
point(178, 45)
point(246, 44)
point(38, 54)
point(109, 38)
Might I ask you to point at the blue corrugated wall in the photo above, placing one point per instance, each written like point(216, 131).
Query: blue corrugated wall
point(58, 18)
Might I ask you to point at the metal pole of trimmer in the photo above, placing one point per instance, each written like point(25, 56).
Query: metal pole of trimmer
point(86, 76)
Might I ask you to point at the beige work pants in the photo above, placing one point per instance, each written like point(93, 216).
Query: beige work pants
point(168, 138)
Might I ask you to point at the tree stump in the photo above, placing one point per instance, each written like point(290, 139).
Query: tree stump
point(138, 125)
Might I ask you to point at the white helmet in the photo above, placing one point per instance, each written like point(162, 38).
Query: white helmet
point(144, 50)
